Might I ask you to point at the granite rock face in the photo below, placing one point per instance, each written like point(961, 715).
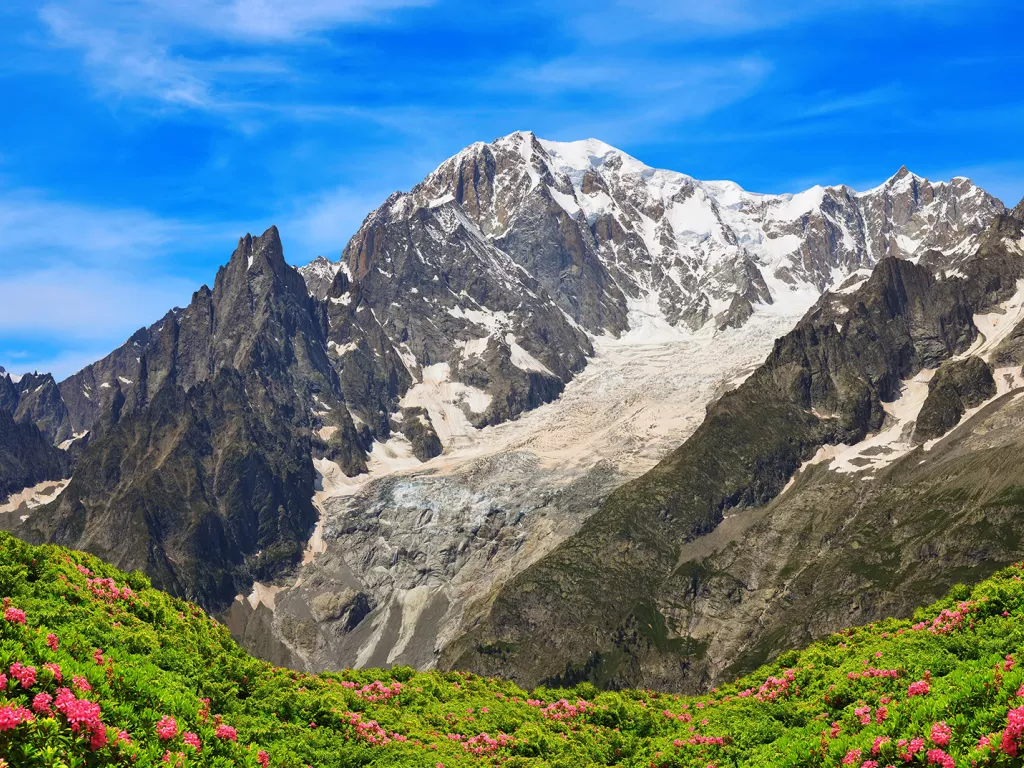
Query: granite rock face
point(27, 457)
point(35, 398)
point(198, 470)
point(956, 386)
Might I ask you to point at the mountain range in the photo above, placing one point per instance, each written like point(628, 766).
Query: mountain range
point(559, 416)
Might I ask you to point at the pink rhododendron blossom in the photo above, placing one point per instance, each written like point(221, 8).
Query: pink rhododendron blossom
point(563, 710)
point(880, 741)
point(98, 739)
point(23, 674)
point(920, 688)
point(378, 691)
point(167, 728)
point(226, 732)
point(11, 717)
point(938, 757)
point(941, 733)
point(191, 740)
point(906, 750)
point(1010, 742)
point(14, 615)
point(41, 703)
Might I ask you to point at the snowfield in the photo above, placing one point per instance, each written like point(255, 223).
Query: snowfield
point(429, 541)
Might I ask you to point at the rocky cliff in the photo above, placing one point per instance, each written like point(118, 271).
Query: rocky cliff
point(623, 600)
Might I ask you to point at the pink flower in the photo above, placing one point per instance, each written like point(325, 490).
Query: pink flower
point(11, 717)
point(99, 737)
point(14, 615)
point(167, 728)
point(123, 738)
point(852, 757)
point(941, 733)
point(920, 688)
point(191, 740)
point(51, 640)
point(938, 757)
point(1010, 741)
point(906, 750)
point(263, 758)
point(226, 732)
point(24, 675)
point(82, 715)
point(81, 683)
point(41, 703)
point(55, 671)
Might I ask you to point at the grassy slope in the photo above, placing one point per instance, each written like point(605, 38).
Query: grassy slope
point(160, 656)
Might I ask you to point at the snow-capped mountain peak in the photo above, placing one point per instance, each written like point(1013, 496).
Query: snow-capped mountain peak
point(529, 249)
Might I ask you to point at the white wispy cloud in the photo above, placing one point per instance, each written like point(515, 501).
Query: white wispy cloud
point(685, 19)
point(276, 20)
point(147, 49)
point(830, 104)
point(629, 100)
point(82, 278)
point(79, 303)
point(61, 363)
point(37, 229)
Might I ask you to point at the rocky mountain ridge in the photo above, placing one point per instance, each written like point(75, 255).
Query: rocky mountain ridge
point(369, 448)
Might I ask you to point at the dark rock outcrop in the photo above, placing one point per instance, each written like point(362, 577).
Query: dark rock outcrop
point(27, 457)
point(956, 386)
point(35, 399)
point(417, 427)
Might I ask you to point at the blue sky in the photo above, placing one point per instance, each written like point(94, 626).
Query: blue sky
point(141, 138)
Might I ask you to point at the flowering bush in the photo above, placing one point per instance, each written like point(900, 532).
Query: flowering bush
point(153, 682)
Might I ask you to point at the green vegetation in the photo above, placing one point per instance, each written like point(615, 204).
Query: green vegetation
point(100, 669)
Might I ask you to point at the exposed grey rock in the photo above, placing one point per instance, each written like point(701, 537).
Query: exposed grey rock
point(417, 427)
point(956, 386)
point(27, 457)
point(319, 275)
